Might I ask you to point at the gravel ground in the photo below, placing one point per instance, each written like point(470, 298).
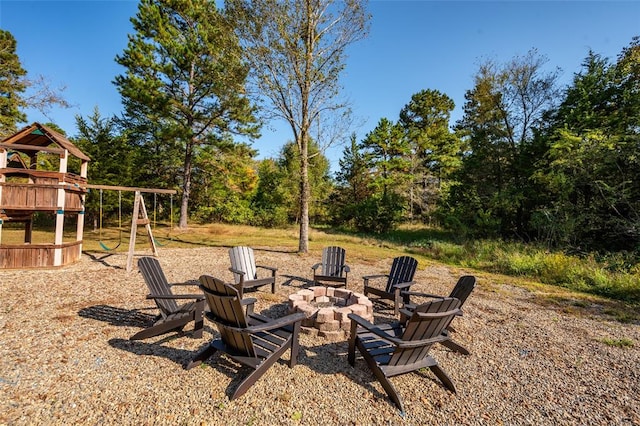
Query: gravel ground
point(65, 357)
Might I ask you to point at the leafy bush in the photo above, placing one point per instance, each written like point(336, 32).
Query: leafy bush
point(378, 214)
point(276, 217)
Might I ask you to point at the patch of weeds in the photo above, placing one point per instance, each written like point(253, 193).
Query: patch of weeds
point(581, 303)
point(296, 416)
point(618, 343)
point(621, 315)
point(571, 310)
point(550, 300)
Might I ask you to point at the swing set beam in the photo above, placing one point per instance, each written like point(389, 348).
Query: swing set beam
point(133, 189)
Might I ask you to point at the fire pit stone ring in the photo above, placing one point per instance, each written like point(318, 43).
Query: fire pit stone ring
point(327, 308)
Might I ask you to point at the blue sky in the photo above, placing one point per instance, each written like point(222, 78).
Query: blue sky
point(412, 46)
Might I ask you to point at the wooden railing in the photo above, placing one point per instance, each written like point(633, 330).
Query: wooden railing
point(18, 256)
point(38, 197)
point(68, 177)
point(42, 194)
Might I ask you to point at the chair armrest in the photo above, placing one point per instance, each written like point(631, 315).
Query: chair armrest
point(406, 312)
point(417, 293)
point(196, 283)
point(176, 296)
point(401, 286)
point(248, 302)
point(371, 277)
point(237, 271)
point(270, 268)
point(276, 323)
point(372, 328)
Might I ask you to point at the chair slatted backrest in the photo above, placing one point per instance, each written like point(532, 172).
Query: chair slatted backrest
point(242, 259)
point(227, 312)
point(463, 288)
point(403, 269)
point(333, 260)
point(157, 283)
point(427, 321)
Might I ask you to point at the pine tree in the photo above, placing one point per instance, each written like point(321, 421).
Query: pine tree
point(12, 85)
point(184, 84)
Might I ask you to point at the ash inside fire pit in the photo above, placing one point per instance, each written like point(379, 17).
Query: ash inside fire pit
point(326, 310)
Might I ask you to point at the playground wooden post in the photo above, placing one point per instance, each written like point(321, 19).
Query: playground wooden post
point(4, 153)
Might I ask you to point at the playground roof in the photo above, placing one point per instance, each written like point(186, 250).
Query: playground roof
point(39, 135)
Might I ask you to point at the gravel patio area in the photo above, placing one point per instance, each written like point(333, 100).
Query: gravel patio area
point(65, 357)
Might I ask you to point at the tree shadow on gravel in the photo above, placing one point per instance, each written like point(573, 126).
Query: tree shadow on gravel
point(222, 364)
point(128, 318)
point(118, 316)
point(137, 347)
point(296, 281)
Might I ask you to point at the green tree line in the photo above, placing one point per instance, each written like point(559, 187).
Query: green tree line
point(529, 160)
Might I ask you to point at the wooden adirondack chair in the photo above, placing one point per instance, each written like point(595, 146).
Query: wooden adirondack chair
point(245, 270)
point(333, 269)
point(399, 348)
point(399, 279)
point(173, 317)
point(247, 338)
point(461, 291)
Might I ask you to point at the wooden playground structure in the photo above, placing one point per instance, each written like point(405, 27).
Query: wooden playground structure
point(25, 191)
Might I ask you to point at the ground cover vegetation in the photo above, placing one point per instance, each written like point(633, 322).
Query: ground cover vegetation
point(535, 179)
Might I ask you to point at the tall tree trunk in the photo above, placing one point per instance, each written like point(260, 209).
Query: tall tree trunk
point(186, 187)
point(303, 243)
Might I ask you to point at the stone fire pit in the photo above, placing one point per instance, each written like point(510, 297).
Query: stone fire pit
point(326, 310)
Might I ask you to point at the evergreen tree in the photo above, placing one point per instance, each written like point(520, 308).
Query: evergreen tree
point(12, 86)
point(593, 160)
point(495, 194)
point(225, 182)
point(352, 185)
point(272, 201)
point(436, 151)
point(112, 162)
point(184, 84)
point(319, 181)
point(386, 154)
